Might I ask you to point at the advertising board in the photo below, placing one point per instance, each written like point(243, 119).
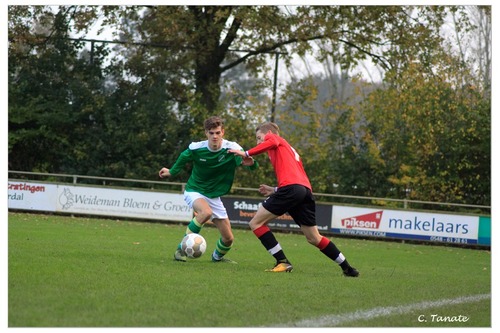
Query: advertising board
point(405, 224)
point(126, 203)
point(32, 196)
point(344, 220)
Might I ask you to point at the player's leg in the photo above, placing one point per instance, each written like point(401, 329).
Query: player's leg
point(221, 221)
point(225, 242)
point(202, 214)
point(258, 224)
point(276, 205)
point(328, 248)
point(304, 214)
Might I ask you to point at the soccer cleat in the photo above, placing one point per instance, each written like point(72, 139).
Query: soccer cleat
point(179, 255)
point(227, 261)
point(351, 272)
point(281, 267)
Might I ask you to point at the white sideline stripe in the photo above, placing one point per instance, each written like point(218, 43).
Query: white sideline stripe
point(335, 320)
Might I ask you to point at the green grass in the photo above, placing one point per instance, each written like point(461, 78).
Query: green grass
point(82, 272)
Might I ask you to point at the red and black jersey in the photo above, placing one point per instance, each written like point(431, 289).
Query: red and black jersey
point(285, 160)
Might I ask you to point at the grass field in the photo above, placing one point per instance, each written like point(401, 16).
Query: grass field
point(80, 272)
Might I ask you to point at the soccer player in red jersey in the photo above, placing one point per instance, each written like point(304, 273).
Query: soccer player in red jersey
point(293, 195)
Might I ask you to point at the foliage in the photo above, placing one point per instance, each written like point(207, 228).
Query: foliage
point(435, 136)
point(420, 135)
point(128, 107)
point(421, 138)
point(67, 114)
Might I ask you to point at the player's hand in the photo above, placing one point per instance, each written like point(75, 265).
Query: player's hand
point(266, 190)
point(164, 172)
point(248, 161)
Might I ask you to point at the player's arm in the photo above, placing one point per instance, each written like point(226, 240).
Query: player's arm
point(266, 190)
point(270, 142)
point(182, 160)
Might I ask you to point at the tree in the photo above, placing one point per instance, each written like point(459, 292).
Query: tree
point(472, 43)
point(49, 90)
point(433, 136)
point(420, 134)
point(202, 39)
point(127, 107)
point(68, 114)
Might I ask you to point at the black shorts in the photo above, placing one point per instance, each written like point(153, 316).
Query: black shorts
point(297, 200)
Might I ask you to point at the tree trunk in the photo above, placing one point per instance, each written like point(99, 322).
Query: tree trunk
point(207, 76)
point(209, 56)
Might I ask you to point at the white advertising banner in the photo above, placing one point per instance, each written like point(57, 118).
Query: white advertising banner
point(126, 203)
point(32, 196)
point(405, 224)
point(353, 221)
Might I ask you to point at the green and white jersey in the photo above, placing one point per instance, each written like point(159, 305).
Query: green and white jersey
point(213, 171)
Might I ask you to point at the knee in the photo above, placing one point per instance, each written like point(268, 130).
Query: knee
point(261, 218)
point(255, 224)
point(203, 215)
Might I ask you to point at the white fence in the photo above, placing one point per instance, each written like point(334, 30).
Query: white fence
point(179, 187)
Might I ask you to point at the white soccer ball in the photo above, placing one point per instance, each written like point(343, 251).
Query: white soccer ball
point(194, 245)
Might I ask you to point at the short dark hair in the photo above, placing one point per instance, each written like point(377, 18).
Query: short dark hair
point(213, 122)
point(268, 126)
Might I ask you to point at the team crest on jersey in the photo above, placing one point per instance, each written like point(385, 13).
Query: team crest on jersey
point(222, 157)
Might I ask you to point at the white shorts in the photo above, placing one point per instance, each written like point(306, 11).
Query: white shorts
point(218, 209)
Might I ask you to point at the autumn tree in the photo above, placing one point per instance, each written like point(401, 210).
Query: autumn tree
point(421, 134)
point(203, 40)
point(125, 106)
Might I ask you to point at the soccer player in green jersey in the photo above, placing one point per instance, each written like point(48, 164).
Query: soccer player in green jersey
point(211, 177)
